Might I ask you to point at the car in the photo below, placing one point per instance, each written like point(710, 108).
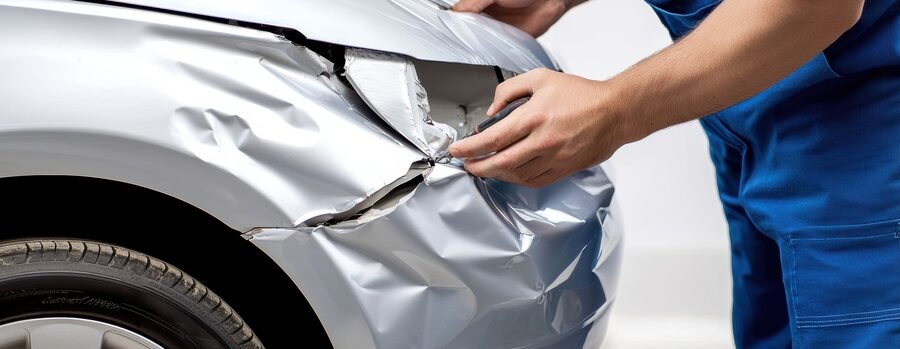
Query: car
point(227, 174)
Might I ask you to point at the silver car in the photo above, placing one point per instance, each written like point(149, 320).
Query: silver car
point(174, 173)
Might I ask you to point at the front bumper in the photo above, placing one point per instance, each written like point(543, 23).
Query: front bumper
point(462, 262)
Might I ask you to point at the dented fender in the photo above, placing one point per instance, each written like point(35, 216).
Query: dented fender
point(462, 262)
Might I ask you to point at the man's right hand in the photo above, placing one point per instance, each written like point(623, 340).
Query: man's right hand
point(532, 16)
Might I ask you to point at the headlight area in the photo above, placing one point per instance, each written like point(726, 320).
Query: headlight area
point(429, 103)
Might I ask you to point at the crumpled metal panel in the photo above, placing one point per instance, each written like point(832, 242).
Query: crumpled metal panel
point(239, 122)
point(463, 263)
point(389, 84)
point(428, 31)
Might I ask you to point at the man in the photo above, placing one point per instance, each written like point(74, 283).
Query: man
point(800, 100)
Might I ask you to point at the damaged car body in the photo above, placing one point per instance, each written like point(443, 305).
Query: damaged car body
point(313, 131)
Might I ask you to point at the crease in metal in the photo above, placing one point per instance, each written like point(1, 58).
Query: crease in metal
point(462, 262)
point(390, 86)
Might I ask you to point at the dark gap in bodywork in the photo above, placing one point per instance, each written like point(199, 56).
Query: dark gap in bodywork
point(385, 197)
point(499, 73)
point(387, 200)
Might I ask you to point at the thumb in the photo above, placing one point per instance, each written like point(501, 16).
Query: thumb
point(472, 5)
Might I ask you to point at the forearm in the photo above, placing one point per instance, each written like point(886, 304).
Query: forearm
point(743, 47)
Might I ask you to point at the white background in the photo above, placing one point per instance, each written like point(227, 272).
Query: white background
point(676, 287)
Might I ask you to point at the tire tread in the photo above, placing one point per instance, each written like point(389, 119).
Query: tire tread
point(140, 265)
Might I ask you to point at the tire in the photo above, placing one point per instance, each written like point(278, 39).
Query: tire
point(118, 286)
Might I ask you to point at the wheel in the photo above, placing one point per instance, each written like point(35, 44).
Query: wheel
point(92, 295)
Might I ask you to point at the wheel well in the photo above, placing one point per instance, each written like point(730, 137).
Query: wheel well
point(168, 229)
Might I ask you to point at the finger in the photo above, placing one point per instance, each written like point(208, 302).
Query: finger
point(514, 88)
point(499, 136)
point(472, 5)
point(502, 165)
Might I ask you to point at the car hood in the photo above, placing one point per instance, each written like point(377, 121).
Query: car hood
point(423, 29)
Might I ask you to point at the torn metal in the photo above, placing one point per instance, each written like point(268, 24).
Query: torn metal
point(463, 263)
point(390, 85)
point(385, 196)
point(429, 103)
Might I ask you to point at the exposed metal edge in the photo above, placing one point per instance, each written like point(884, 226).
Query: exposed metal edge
point(411, 179)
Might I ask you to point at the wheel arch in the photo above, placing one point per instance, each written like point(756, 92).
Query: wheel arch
point(145, 220)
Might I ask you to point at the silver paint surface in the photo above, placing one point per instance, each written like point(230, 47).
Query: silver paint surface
point(464, 263)
point(390, 85)
point(417, 28)
point(238, 122)
point(390, 250)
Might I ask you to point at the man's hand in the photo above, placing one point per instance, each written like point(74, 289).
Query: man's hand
point(532, 16)
point(569, 124)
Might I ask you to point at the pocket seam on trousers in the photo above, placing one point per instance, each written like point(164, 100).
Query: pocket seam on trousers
point(805, 283)
point(846, 238)
point(852, 321)
point(859, 313)
point(888, 316)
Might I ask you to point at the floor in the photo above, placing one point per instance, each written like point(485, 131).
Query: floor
point(672, 299)
point(675, 289)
